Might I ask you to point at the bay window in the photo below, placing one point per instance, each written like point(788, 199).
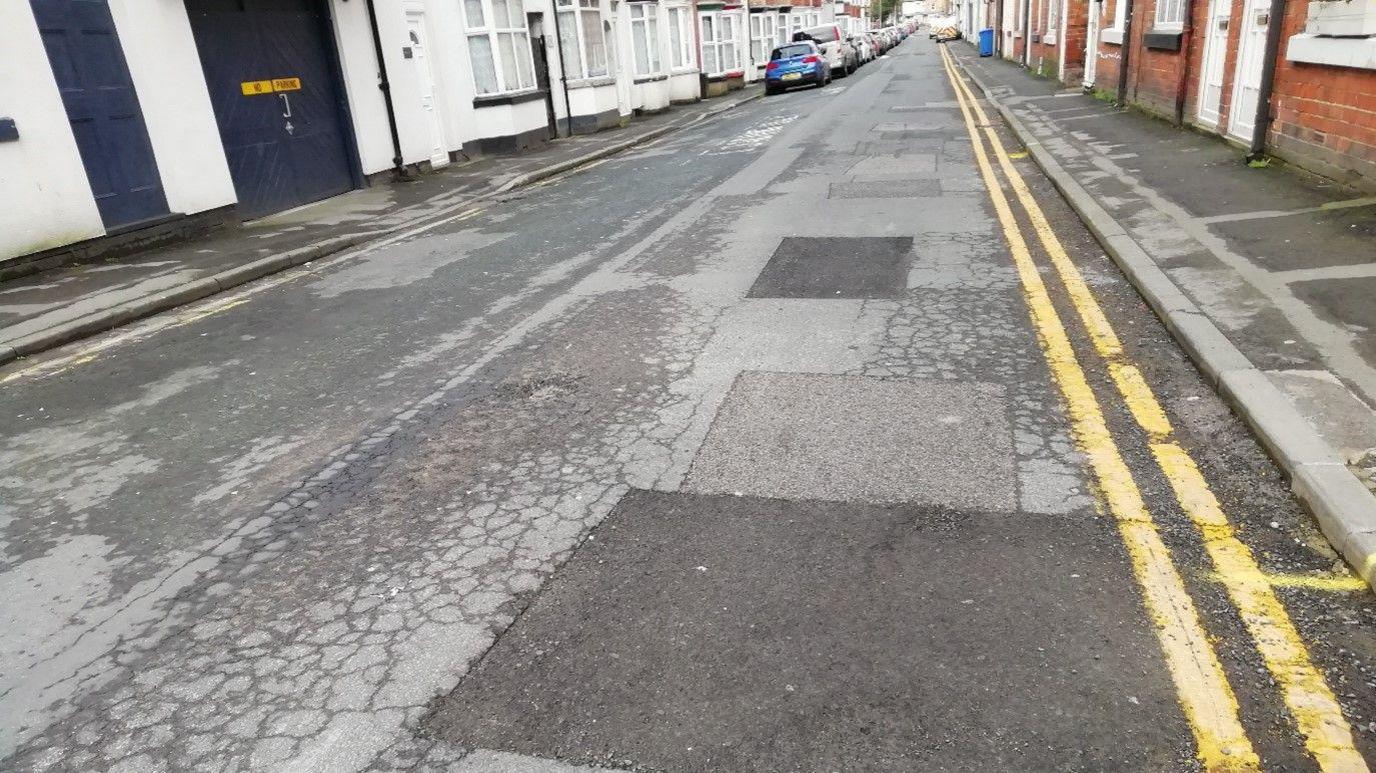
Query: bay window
point(498, 46)
point(645, 37)
point(719, 34)
point(582, 42)
point(680, 38)
point(762, 36)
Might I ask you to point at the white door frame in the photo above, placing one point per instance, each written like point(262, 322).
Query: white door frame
point(1096, 8)
point(438, 150)
point(1250, 46)
point(1215, 62)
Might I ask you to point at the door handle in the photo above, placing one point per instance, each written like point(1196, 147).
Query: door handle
point(286, 106)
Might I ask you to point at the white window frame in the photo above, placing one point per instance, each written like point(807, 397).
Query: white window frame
point(763, 35)
point(781, 26)
point(722, 38)
point(681, 51)
point(488, 27)
point(1053, 20)
point(1170, 15)
point(579, 17)
point(645, 23)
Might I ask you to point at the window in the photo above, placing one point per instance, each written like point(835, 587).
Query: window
point(719, 34)
point(785, 32)
point(498, 45)
point(645, 37)
point(1170, 14)
point(582, 44)
point(762, 36)
point(680, 38)
point(1053, 18)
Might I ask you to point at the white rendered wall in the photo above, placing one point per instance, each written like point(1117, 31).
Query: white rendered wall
point(167, 74)
point(45, 200)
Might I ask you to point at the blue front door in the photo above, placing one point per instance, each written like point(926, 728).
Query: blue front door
point(93, 78)
point(271, 70)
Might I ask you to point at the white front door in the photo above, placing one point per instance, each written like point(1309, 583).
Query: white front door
point(425, 83)
point(1242, 114)
point(1215, 57)
point(1096, 7)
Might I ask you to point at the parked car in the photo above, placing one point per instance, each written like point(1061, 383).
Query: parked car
point(796, 64)
point(864, 48)
point(839, 55)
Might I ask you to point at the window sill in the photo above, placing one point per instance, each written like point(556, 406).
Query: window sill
point(1050, 38)
point(508, 98)
point(1111, 36)
point(1163, 39)
point(639, 79)
point(586, 83)
point(1336, 52)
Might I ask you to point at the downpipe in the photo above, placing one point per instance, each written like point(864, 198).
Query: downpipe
point(399, 170)
point(1125, 57)
point(1182, 84)
point(1262, 126)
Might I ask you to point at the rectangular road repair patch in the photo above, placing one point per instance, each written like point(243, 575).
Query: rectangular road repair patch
point(732, 633)
point(835, 267)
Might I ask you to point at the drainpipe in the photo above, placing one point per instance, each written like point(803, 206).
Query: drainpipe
point(398, 170)
point(1124, 55)
point(1027, 34)
point(563, 72)
point(1268, 81)
point(1183, 83)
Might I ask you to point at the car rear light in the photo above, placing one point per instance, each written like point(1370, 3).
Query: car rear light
point(812, 59)
point(772, 66)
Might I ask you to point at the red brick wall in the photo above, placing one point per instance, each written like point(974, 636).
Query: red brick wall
point(1324, 117)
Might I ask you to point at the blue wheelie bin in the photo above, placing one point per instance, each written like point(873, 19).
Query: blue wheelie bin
point(986, 42)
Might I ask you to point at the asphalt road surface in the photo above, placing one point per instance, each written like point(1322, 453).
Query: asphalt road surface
point(816, 437)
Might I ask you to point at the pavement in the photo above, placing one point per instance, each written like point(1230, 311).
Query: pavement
point(1265, 275)
point(52, 307)
point(779, 442)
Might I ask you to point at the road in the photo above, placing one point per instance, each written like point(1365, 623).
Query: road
point(819, 436)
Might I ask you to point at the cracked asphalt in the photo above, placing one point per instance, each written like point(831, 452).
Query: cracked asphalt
point(598, 476)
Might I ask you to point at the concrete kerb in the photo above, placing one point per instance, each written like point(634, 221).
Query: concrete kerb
point(204, 287)
point(1344, 509)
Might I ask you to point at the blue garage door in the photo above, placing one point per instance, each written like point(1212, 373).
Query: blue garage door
point(273, 77)
point(88, 64)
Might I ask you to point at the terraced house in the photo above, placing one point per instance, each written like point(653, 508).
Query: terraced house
point(1294, 79)
point(125, 122)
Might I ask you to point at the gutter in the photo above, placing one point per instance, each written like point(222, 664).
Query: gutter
point(1262, 125)
point(398, 169)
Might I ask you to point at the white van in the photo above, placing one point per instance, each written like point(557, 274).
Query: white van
point(839, 54)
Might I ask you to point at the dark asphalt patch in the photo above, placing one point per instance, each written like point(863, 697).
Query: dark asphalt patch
point(697, 633)
point(886, 189)
point(1339, 237)
point(835, 267)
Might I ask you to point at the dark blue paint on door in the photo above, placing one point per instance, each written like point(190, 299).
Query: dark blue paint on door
point(284, 148)
point(93, 78)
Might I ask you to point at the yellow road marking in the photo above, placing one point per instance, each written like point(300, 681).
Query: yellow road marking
point(1201, 686)
point(1316, 710)
point(1346, 583)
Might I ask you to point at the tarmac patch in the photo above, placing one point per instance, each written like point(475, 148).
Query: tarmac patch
point(835, 267)
point(860, 439)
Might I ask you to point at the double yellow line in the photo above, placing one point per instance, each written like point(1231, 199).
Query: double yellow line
point(1201, 685)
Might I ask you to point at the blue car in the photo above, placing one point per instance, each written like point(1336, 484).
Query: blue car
point(796, 64)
